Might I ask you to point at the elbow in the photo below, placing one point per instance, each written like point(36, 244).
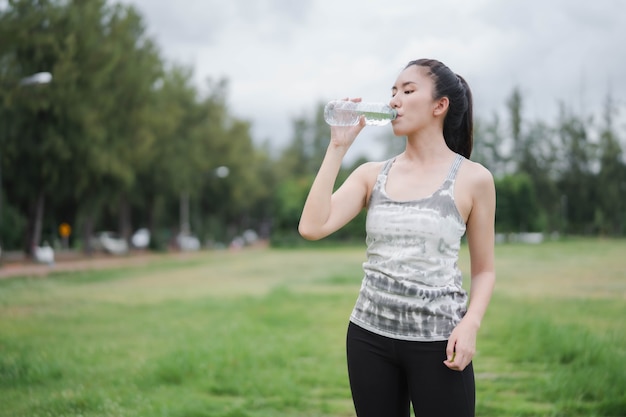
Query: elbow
point(308, 233)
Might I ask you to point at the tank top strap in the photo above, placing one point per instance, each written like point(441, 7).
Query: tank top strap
point(387, 166)
point(382, 175)
point(454, 169)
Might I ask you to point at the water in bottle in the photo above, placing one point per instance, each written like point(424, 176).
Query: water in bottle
point(347, 113)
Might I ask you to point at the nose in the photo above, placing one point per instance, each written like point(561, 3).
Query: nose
point(394, 103)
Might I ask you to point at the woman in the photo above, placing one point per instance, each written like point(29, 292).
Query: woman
point(412, 333)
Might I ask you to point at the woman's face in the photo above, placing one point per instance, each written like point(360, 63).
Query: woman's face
point(412, 97)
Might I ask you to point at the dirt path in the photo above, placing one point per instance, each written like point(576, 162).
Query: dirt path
point(79, 262)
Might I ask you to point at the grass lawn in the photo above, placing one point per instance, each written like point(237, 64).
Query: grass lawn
point(260, 333)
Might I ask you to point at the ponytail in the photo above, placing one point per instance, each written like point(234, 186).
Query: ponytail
point(458, 125)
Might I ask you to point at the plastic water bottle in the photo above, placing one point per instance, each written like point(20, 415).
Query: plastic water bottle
point(347, 113)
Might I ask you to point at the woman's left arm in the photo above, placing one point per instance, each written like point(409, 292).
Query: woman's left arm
point(481, 240)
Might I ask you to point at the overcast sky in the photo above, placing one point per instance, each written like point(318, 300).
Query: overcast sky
point(281, 57)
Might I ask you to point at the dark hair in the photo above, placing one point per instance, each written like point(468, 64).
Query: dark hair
point(458, 126)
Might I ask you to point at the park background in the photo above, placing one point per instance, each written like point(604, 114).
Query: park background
point(120, 138)
point(101, 132)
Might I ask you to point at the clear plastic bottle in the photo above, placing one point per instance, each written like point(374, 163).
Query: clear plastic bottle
point(347, 113)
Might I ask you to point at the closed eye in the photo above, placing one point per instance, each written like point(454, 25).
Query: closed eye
point(394, 90)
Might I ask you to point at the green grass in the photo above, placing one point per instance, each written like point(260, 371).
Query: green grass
point(261, 334)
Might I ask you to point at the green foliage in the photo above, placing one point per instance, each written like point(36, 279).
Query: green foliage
point(120, 135)
point(611, 209)
point(575, 166)
point(517, 209)
point(12, 227)
point(290, 197)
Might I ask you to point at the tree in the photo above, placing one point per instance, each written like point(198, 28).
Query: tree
point(78, 149)
point(517, 209)
point(108, 67)
point(538, 161)
point(611, 180)
point(307, 148)
point(31, 147)
point(489, 144)
point(122, 138)
point(575, 174)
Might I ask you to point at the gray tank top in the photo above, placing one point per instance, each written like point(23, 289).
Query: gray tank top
point(412, 284)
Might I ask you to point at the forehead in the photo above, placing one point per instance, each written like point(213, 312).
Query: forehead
point(413, 74)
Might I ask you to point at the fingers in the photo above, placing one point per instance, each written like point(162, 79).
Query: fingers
point(457, 357)
point(344, 136)
point(458, 361)
point(450, 352)
point(354, 99)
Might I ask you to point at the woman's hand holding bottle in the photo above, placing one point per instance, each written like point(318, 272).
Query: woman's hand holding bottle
point(344, 136)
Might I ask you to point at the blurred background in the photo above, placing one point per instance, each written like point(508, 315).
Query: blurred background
point(152, 125)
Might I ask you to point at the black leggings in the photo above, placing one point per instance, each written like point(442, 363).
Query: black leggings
point(387, 375)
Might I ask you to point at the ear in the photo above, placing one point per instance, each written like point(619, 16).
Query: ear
point(441, 106)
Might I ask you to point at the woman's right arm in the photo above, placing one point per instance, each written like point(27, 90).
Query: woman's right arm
point(325, 212)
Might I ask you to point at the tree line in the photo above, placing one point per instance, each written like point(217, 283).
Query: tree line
point(566, 177)
point(119, 138)
point(122, 139)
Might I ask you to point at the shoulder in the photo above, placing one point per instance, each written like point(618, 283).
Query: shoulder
point(474, 190)
point(366, 175)
point(476, 183)
point(474, 175)
point(369, 170)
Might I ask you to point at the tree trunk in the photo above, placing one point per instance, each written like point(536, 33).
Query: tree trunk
point(185, 227)
point(125, 227)
point(35, 223)
point(87, 234)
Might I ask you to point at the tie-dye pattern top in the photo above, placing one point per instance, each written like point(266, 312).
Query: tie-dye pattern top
point(412, 284)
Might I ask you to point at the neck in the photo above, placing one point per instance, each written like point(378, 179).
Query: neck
point(427, 146)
